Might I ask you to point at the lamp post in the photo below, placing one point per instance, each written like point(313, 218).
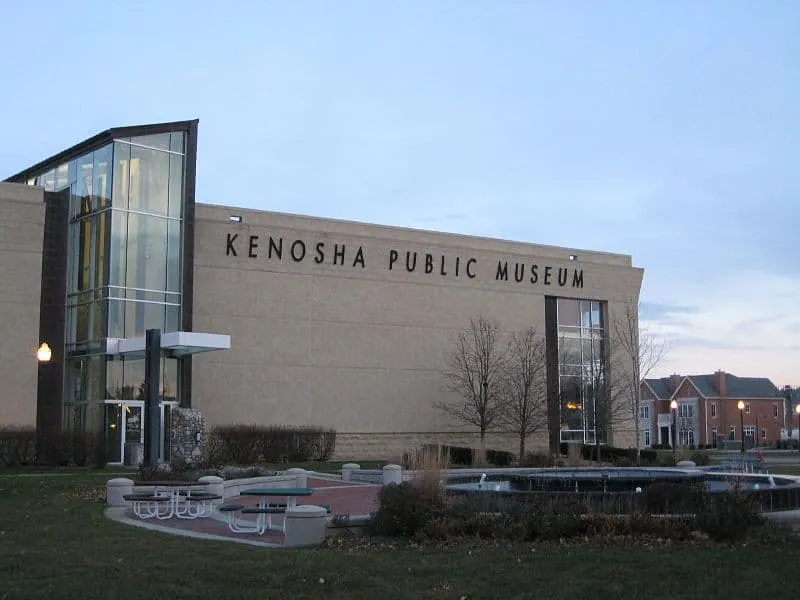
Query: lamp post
point(674, 406)
point(797, 410)
point(740, 406)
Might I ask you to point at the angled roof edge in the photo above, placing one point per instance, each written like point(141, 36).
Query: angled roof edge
point(650, 387)
point(100, 139)
point(693, 384)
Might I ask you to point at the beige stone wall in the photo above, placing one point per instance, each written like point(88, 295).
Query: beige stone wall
point(358, 345)
point(21, 231)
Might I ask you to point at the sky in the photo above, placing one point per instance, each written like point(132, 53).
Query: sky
point(669, 131)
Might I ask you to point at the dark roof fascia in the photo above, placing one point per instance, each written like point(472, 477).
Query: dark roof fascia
point(97, 141)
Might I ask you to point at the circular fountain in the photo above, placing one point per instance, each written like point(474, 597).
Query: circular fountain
point(621, 485)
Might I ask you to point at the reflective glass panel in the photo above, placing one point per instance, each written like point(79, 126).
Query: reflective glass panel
point(101, 177)
point(174, 273)
point(169, 379)
point(122, 162)
point(116, 319)
point(84, 266)
point(176, 141)
point(84, 182)
point(149, 182)
point(175, 186)
point(141, 316)
point(173, 318)
point(101, 232)
point(571, 403)
point(114, 379)
point(156, 140)
point(62, 177)
point(98, 319)
point(133, 378)
point(569, 312)
point(113, 433)
point(570, 351)
point(147, 250)
point(118, 248)
point(82, 323)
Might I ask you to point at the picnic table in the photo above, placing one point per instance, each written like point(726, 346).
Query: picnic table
point(264, 510)
point(172, 498)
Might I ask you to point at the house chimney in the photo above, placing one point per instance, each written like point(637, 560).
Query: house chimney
point(675, 381)
point(721, 383)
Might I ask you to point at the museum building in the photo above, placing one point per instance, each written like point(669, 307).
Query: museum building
point(271, 318)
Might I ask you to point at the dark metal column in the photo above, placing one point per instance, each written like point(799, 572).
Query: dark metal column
point(152, 408)
point(551, 362)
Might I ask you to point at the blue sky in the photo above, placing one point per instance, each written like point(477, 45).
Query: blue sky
point(666, 130)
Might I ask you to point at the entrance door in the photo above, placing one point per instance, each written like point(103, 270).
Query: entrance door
point(134, 423)
point(124, 423)
point(114, 433)
point(665, 438)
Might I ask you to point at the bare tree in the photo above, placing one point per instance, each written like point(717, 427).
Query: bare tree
point(475, 373)
point(524, 390)
point(635, 354)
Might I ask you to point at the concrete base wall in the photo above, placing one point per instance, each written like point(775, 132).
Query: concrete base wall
point(391, 446)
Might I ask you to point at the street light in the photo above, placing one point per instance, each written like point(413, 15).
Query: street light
point(674, 406)
point(740, 406)
point(44, 353)
point(797, 410)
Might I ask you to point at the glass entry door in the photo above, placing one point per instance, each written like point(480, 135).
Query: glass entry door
point(124, 422)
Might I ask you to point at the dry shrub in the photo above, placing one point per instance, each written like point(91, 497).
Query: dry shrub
point(479, 460)
point(428, 463)
point(574, 455)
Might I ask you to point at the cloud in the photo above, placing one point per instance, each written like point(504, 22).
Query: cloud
point(744, 323)
point(659, 311)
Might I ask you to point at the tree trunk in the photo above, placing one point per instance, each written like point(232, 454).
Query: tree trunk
point(521, 447)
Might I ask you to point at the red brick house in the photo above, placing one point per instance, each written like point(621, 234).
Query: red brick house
point(707, 410)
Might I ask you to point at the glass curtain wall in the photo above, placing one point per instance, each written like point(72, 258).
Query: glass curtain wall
point(124, 268)
point(581, 370)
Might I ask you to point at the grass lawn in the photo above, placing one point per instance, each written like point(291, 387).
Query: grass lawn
point(55, 543)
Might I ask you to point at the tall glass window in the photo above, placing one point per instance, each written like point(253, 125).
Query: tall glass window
point(581, 370)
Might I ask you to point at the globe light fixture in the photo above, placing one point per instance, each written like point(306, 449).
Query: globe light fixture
point(44, 353)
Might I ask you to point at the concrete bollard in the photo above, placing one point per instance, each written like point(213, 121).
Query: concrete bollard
point(214, 486)
point(686, 464)
point(392, 474)
point(116, 489)
point(347, 471)
point(305, 525)
point(302, 476)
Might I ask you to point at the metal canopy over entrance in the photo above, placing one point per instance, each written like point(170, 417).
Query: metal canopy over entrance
point(175, 344)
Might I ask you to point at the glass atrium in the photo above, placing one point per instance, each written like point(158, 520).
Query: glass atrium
point(127, 199)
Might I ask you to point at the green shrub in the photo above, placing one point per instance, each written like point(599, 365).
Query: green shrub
point(17, 446)
point(728, 516)
point(251, 444)
point(500, 458)
point(404, 509)
point(462, 456)
point(537, 460)
point(701, 459)
point(666, 497)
